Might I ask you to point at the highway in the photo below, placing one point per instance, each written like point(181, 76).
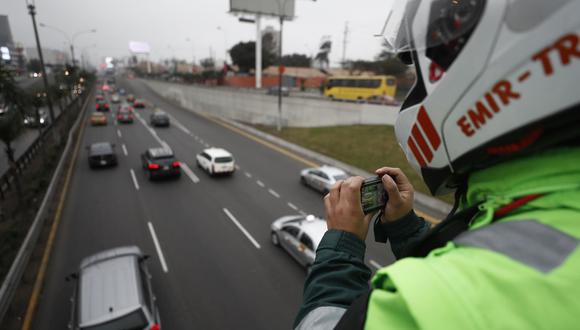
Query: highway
point(208, 273)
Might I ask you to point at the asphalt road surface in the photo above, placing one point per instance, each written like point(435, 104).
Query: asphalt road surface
point(207, 274)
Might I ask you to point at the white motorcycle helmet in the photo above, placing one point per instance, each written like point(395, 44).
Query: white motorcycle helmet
point(496, 79)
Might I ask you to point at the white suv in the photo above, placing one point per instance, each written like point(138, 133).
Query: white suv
point(216, 161)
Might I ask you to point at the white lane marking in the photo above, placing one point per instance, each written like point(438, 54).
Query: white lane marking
point(119, 133)
point(375, 264)
point(124, 149)
point(302, 213)
point(158, 247)
point(189, 173)
point(237, 167)
point(248, 174)
point(206, 145)
point(179, 125)
point(134, 179)
point(241, 228)
point(201, 141)
point(260, 183)
point(152, 131)
point(273, 193)
point(292, 206)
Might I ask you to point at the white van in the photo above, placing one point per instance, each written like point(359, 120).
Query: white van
point(216, 161)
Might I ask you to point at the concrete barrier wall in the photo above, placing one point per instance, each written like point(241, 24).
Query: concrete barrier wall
point(259, 108)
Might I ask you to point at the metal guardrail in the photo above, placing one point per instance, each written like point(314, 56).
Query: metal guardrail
point(12, 280)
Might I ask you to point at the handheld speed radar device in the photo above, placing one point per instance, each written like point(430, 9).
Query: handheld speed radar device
point(373, 196)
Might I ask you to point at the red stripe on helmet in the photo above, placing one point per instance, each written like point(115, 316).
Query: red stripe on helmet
point(416, 152)
point(428, 128)
point(422, 143)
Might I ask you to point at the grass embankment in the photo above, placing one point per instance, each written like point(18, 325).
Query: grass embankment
point(367, 147)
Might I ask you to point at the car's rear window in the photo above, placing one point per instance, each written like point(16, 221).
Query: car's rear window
point(133, 321)
point(224, 159)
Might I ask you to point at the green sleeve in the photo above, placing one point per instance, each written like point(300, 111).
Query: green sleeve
point(338, 275)
point(401, 233)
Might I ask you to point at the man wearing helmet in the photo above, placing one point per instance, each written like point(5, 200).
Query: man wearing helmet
point(494, 116)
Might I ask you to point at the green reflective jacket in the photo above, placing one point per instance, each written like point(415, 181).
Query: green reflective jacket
point(521, 272)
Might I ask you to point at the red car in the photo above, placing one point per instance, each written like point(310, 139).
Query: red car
point(125, 115)
point(139, 104)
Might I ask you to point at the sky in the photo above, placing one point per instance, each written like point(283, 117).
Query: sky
point(189, 29)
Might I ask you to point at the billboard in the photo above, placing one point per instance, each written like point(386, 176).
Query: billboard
point(139, 47)
point(283, 8)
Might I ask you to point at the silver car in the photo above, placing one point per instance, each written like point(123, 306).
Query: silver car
point(114, 292)
point(299, 236)
point(322, 178)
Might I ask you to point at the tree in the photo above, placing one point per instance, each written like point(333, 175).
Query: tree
point(207, 63)
point(34, 66)
point(243, 55)
point(391, 66)
point(12, 104)
point(296, 60)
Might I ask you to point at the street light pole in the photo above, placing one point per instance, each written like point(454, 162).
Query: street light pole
point(279, 126)
point(71, 40)
point(32, 12)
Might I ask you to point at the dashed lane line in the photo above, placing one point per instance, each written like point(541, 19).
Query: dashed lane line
point(273, 193)
point(241, 228)
point(124, 150)
point(189, 173)
point(135, 182)
point(375, 264)
point(158, 247)
point(292, 206)
point(260, 183)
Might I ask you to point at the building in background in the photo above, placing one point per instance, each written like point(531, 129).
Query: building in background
point(52, 57)
point(6, 42)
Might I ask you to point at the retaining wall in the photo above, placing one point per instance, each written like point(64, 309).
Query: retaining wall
point(258, 108)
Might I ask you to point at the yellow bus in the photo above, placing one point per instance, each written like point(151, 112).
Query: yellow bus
point(360, 88)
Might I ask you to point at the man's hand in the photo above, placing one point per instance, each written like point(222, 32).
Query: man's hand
point(401, 193)
point(344, 209)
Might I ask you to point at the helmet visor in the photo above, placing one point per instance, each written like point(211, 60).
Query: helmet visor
point(447, 21)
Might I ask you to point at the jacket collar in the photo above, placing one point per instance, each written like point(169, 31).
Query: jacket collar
point(546, 173)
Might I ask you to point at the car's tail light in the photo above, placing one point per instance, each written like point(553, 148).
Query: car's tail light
point(153, 166)
point(175, 164)
point(97, 106)
point(107, 105)
point(119, 117)
point(155, 327)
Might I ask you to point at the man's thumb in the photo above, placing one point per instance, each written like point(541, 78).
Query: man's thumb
point(392, 189)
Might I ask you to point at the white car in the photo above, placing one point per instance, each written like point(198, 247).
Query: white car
point(322, 178)
point(216, 161)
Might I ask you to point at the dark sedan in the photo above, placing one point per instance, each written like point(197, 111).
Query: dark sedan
point(159, 118)
point(102, 105)
point(102, 154)
point(160, 163)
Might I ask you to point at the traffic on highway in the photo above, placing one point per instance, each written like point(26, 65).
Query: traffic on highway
point(275, 164)
point(226, 221)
